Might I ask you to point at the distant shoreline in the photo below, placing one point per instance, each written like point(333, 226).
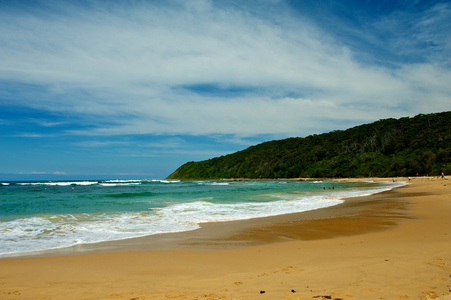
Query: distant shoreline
point(400, 178)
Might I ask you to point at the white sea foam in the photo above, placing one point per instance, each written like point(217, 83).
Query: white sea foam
point(123, 181)
point(66, 230)
point(4, 183)
point(165, 181)
point(60, 183)
point(42, 233)
point(203, 211)
point(56, 231)
point(212, 183)
point(120, 184)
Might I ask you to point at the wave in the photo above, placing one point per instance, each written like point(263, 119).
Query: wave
point(123, 180)
point(57, 231)
point(165, 181)
point(203, 211)
point(156, 215)
point(83, 183)
point(60, 183)
point(212, 183)
point(120, 184)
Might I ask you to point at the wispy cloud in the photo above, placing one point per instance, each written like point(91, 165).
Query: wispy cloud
point(43, 173)
point(98, 144)
point(34, 135)
point(5, 122)
point(207, 67)
point(45, 123)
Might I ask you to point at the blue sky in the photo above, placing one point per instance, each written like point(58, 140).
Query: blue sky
point(134, 89)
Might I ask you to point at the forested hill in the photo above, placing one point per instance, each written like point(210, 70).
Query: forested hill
point(386, 148)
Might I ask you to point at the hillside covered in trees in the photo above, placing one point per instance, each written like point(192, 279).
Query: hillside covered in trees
point(386, 148)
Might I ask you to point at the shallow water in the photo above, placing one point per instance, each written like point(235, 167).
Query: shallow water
point(42, 215)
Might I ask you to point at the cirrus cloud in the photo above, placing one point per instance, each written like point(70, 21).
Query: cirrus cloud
point(240, 71)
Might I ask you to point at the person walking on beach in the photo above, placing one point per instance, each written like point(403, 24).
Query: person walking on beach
point(443, 175)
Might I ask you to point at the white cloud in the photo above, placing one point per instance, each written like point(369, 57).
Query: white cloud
point(123, 70)
point(34, 135)
point(45, 123)
point(97, 144)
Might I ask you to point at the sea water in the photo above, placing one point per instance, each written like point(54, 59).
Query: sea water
point(36, 216)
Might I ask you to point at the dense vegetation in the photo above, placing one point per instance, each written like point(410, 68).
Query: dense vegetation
point(386, 148)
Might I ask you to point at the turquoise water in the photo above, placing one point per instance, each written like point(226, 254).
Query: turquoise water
point(38, 216)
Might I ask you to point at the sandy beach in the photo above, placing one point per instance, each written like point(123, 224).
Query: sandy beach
point(393, 245)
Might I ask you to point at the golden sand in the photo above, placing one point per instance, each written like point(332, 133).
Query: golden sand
point(393, 245)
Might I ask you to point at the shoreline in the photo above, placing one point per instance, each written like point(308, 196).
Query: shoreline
point(236, 233)
point(391, 245)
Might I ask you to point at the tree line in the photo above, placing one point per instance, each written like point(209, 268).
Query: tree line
point(420, 145)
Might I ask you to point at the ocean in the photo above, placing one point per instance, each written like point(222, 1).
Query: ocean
point(43, 215)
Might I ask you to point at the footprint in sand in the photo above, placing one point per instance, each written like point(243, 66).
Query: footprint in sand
point(289, 270)
point(175, 295)
point(14, 293)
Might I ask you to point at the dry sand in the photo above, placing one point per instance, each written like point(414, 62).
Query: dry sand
point(394, 245)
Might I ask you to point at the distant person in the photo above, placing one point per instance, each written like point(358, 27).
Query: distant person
point(443, 175)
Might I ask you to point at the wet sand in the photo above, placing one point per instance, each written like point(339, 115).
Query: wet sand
point(393, 245)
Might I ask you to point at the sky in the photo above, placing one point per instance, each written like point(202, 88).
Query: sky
point(134, 89)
